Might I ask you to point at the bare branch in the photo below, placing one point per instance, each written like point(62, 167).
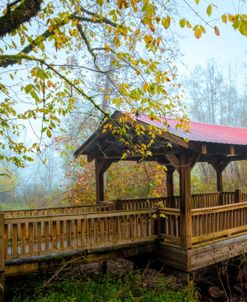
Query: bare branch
point(79, 27)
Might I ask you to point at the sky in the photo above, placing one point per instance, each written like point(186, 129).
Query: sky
point(228, 48)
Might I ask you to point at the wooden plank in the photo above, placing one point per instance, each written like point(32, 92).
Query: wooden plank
point(68, 234)
point(185, 200)
point(47, 237)
point(83, 231)
point(23, 238)
point(39, 238)
point(14, 240)
point(61, 235)
point(54, 235)
point(31, 237)
point(2, 243)
point(95, 231)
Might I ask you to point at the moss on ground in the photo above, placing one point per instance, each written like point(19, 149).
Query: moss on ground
point(135, 285)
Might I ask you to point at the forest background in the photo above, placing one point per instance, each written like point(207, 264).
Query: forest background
point(214, 91)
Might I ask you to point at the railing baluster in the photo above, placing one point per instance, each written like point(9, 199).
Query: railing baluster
point(14, 239)
point(54, 235)
point(39, 237)
point(31, 237)
point(23, 238)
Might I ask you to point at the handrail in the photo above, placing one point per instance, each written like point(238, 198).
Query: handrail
point(59, 210)
point(14, 220)
point(221, 208)
point(33, 236)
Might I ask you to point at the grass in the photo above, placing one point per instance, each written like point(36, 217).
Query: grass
point(127, 287)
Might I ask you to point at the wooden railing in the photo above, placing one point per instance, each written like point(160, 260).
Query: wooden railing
point(216, 222)
point(204, 200)
point(45, 235)
point(95, 208)
point(244, 196)
point(147, 203)
point(58, 230)
point(169, 225)
point(227, 198)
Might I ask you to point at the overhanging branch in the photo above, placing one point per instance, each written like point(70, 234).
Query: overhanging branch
point(22, 13)
point(18, 59)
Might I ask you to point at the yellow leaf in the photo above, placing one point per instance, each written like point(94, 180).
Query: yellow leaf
point(137, 32)
point(107, 48)
point(145, 87)
point(198, 33)
point(166, 21)
point(224, 18)
point(182, 23)
point(231, 18)
point(188, 24)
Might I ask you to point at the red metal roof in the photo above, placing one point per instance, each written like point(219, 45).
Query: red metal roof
point(202, 132)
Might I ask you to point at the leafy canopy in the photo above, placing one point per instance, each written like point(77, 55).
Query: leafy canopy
point(39, 83)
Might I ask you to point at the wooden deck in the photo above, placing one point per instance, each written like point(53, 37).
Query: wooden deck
point(31, 239)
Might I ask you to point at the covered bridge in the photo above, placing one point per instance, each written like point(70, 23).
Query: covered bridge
point(199, 229)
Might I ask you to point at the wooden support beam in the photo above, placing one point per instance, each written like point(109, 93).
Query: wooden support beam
point(219, 165)
point(101, 165)
point(232, 151)
point(204, 149)
point(219, 177)
point(173, 160)
point(2, 258)
point(169, 181)
point(2, 288)
point(185, 199)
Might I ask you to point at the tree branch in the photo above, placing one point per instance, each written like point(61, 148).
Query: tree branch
point(46, 34)
point(18, 58)
point(22, 13)
point(101, 19)
point(79, 27)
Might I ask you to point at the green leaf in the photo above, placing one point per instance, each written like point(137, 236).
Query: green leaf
point(28, 88)
point(209, 10)
point(48, 133)
point(243, 28)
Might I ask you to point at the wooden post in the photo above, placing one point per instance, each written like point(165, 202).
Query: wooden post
point(2, 257)
point(219, 166)
point(185, 200)
point(169, 181)
point(101, 165)
point(219, 175)
point(99, 175)
point(238, 195)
